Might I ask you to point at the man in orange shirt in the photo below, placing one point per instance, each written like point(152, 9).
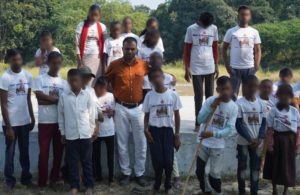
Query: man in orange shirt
point(126, 76)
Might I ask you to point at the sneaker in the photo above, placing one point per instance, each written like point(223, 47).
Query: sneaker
point(124, 180)
point(7, 188)
point(141, 181)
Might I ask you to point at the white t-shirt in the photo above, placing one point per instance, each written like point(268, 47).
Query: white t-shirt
point(17, 86)
point(43, 68)
point(91, 45)
point(92, 93)
point(107, 127)
point(49, 86)
point(160, 44)
point(224, 115)
point(252, 114)
point(167, 82)
point(270, 103)
point(296, 90)
point(145, 52)
point(242, 42)
point(202, 58)
point(284, 120)
point(113, 48)
point(161, 107)
point(125, 35)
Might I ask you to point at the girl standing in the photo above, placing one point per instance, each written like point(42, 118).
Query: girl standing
point(90, 36)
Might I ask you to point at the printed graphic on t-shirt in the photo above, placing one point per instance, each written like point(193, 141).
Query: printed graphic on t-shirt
point(20, 88)
point(218, 120)
point(205, 39)
point(243, 41)
point(284, 120)
point(252, 117)
point(162, 110)
point(54, 90)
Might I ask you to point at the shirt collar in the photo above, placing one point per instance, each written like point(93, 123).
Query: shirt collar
point(72, 93)
point(135, 61)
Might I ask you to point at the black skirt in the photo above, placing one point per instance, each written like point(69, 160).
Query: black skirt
point(280, 165)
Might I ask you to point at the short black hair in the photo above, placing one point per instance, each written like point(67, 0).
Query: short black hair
point(74, 72)
point(223, 80)
point(285, 72)
point(153, 71)
point(206, 19)
point(129, 40)
point(266, 81)
point(285, 89)
point(244, 7)
point(114, 23)
point(249, 79)
point(11, 53)
point(101, 81)
point(53, 55)
point(127, 18)
point(45, 33)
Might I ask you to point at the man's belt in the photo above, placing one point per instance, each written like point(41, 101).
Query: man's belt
point(128, 105)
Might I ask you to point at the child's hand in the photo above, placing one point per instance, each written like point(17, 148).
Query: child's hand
point(206, 134)
point(63, 139)
point(149, 137)
point(10, 134)
point(177, 142)
point(110, 112)
point(100, 117)
point(216, 103)
point(255, 143)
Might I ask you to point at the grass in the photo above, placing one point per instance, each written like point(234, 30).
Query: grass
point(175, 68)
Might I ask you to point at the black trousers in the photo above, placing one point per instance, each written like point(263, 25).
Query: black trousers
point(110, 148)
point(80, 150)
point(198, 81)
point(162, 154)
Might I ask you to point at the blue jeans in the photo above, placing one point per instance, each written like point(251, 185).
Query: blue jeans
point(80, 150)
point(254, 160)
point(22, 137)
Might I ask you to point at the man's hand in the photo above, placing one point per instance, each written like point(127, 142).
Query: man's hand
point(206, 134)
point(149, 136)
point(187, 75)
point(32, 124)
point(216, 103)
point(256, 67)
point(216, 72)
point(10, 134)
point(177, 142)
point(229, 70)
point(63, 139)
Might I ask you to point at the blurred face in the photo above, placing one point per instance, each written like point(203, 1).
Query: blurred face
point(284, 98)
point(75, 82)
point(116, 31)
point(156, 60)
point(152, 40)
point(244, 16)
point(287, 79)
point(129, 50)
point(127, 25)
point(16, 61)
point(46, 42)
point(157, 79)
point(153, 25)
point(100, 90)
point(265, 89)
point(225, 91)
point(251, 88)
point(55, 64)
point(94, 16)
point(86, 80)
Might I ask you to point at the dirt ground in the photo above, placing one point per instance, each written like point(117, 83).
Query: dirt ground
point(229, 188)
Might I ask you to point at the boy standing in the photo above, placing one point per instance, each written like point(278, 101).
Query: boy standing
point(160, 105)
point(251, 127)
point(223, 112)
point(18, 118)
point(76, 119)
point(285, 76)
point(48, 87)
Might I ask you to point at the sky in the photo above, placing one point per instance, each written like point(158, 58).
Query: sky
point(150, 3)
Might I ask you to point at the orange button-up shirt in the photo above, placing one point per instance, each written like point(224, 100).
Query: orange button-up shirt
point(127, 79)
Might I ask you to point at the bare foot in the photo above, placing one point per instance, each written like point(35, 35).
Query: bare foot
point(73, 191)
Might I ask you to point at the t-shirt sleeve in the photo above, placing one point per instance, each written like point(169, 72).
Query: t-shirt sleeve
point(146, 83)
point(257, 38)
point(177, 105)
point(37, 84)
point(4, 83)
point(30, 81)
point(228, 36)
point(146, 107)
point(270, 118)
point(188, 36)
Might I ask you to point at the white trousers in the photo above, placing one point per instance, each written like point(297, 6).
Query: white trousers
point(127, 121)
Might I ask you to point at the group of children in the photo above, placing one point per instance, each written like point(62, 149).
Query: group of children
point(267, 122)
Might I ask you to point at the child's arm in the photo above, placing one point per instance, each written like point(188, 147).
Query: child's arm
point(146, 130)
point(78, 56)
point(298, 141)
point(241, 128)
point(269, 139)
point(44, 99)
point(105, 60)
point(206, 110)
point(262, 129)
point(177, 142)
point(9, 133)
point(30, 109)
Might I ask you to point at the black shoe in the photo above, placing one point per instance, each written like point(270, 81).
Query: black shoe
point(124, 180)
point(141, 181)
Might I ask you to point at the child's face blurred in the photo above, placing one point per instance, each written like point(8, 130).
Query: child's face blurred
point(100, 90)
point(287, 79)
point(152, 40)
point(251, 88)
point(16, 61)
point(55, 64)
point(75, 82)
point(157, 79)
point(127, 25)
point(284, 99)
point(46, 42)
point(94, 16)
point(155, 61)
point(86, 80)
point(225, 91)
point(116, 31)
point(265, 88)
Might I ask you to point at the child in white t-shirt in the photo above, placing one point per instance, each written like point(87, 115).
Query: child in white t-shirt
point(251, 128)
point(161, 107)
point(127, 29)
point(105, 108)
point(150, 45)
point(285, 76)
point(219, 113)
point(113, 45)
point(41, 55)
